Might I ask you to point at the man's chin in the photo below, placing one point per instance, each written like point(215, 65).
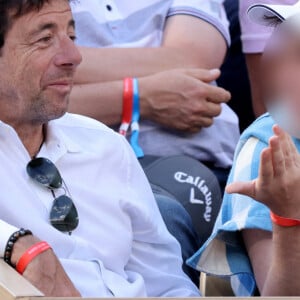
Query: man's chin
point(55, 115)
point(59, 110)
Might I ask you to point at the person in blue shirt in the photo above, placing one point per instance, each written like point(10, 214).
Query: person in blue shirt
point(256, 238)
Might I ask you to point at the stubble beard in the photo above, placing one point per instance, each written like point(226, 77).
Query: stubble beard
point(44, 109)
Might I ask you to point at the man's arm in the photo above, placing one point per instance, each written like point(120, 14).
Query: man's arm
point(99, 77)
point(275, 262)
point(188, 42)
point(258, 244)
point(180, 99)
point(45, 271)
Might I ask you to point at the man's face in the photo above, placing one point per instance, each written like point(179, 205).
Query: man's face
point(37, 65)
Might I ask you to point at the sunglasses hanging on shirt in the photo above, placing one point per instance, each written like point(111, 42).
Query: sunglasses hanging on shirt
point(63, 214)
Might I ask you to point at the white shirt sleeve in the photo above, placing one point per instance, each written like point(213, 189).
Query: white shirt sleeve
point(156, 255)
point(211, 11)
point(6, 231)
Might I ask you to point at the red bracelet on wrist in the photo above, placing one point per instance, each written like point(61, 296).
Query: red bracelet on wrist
point(30, 254)
point(127, 105)
point(283, 222)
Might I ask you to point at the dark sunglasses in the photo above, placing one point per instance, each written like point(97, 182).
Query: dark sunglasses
point(63, 214)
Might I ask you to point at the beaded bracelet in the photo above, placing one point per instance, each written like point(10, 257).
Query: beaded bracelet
point(11, 242)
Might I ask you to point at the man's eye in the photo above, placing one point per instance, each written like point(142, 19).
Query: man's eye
point(72, 37)
point(45, 39)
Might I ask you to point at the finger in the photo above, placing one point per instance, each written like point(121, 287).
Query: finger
point(211, 110)
point(204, 122)
point(290, 152)
point(277, 130)
point(243, 188)
point(213, 92)
point(288, 148)
point(283, 139)
point(217, 94)
point(195, 129)
point(266, 171)
point(278, 160)
point(294, 154)
point(204, 74)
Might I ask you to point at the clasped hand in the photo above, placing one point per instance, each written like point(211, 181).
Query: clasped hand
point(182, 99)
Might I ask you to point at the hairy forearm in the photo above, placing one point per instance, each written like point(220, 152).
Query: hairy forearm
point(98, 86)
point(284, 273)
point(206, 49)
point(45, 271)
point(101, 101)
point(174, 99)
point(103, 64)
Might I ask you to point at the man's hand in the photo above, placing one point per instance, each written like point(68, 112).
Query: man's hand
point(182, 99)
point(277, 185)
point(45, 271)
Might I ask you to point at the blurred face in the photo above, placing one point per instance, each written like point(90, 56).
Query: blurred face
point(281, 67)
point(281, 70)
point(37, 65)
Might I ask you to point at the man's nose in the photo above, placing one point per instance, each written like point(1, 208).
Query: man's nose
point(68, 54)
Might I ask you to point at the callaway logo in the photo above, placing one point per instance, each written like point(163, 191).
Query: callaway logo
point(203, 188)
point(193, 200)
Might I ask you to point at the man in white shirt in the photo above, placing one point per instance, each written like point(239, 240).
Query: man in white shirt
point(120, 247)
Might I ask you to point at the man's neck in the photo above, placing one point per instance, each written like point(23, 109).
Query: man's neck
point(31, 134)
point(32, 138)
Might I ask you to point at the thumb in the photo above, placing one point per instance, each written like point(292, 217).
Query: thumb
point(204, 75)
point(243, 188)
point(211, 75)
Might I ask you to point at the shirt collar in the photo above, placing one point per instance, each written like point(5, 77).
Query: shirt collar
point(57, 142)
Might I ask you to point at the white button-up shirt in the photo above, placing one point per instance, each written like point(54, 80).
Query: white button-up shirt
point(121, 246)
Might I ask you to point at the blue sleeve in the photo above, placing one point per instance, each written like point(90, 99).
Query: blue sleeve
point(224, 253)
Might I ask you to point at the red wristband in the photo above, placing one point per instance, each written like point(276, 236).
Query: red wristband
point(127, 105)
point(283, 222)
point(30, 254)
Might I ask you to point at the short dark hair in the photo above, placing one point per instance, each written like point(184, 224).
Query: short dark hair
point(11, 9)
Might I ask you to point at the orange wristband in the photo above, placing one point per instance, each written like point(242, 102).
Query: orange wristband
point(30, 254)
point(283, 222)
